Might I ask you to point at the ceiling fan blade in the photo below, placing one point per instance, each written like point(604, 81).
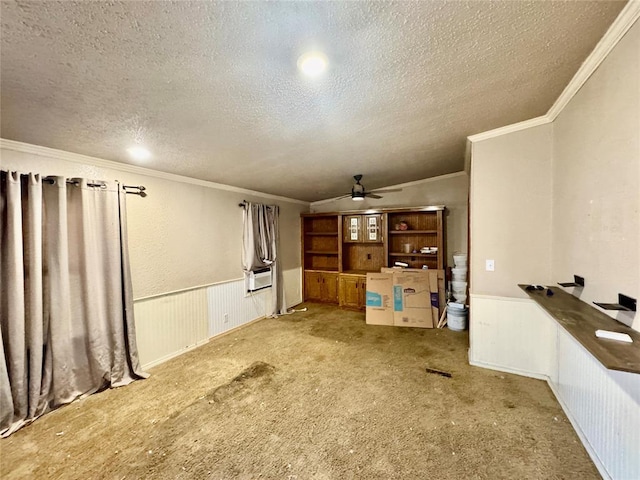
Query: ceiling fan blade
point(372, 195)
point(348, 195)
point(389, 190)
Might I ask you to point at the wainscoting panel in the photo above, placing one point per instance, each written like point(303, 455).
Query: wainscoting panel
point(503, 333)
point(229, 308)
point(603, 405)
point(168, 325)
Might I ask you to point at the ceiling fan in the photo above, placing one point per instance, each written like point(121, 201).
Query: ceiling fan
point(358, 192)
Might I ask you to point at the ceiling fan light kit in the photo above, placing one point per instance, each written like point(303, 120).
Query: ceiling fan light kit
point(358, 192)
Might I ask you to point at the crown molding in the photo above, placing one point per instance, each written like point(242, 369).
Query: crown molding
point(124, 167)
point(400, 185)
point(624, 21)
point(514, 127)
point(424, 180)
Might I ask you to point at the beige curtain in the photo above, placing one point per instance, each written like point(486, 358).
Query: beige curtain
point(66, 308)
point(260, 244)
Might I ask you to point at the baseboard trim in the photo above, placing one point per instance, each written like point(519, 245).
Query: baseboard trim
point(166, 358)
point(514, 371)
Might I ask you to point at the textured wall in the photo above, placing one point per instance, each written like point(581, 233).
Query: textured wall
point(450, 190)
point(181, 235)
point(596, 180)
point(511, 211)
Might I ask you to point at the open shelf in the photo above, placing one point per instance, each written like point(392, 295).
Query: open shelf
point(339, 249)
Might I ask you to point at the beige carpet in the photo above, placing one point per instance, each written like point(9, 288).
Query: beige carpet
point(315, 395)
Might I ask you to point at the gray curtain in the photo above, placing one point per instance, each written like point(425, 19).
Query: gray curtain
point(66, 306)
point(260, 244)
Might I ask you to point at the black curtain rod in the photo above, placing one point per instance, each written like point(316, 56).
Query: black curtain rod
point(138, 189)
point(244, 204)
point(73, 181)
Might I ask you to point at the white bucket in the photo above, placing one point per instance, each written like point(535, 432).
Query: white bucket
point(457, 319)
point(460, 259)
point(459, 286)
point(459, 277)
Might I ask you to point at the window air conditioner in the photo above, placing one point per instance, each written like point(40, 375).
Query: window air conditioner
point(259, 279)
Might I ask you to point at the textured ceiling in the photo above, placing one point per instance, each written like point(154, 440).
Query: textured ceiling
point(211, 88)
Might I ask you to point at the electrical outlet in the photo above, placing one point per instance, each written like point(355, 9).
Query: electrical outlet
point(490, 266)
point(226, 318)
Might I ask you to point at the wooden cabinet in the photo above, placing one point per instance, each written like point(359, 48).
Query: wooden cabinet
point(352, 292)
point(362, 249)
point(352, 228)
point(372, 228)
point(362, 228)
point(338, 249)
point(321, 286)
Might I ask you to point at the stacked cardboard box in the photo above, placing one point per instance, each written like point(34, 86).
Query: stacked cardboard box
point(405, 297)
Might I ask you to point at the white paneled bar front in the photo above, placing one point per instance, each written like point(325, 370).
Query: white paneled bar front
point(517, 336)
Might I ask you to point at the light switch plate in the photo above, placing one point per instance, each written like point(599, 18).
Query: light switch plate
point(490, 266)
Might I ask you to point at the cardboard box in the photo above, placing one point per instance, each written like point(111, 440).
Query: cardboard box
point(412, 299)
point(379, 299)
point(435, 300)
point(405, 297)
point(436, 286)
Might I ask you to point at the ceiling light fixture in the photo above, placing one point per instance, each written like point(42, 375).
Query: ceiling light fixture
point(139, 153)
point(312, 64)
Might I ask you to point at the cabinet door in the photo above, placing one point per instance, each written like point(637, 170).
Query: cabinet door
point(312, 286)
point(362, 293)
point(330, 287)
point(350, 291)
point(372, 228)
point(352, 228)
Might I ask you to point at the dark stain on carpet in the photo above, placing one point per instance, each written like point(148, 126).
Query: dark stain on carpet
point(251, 377)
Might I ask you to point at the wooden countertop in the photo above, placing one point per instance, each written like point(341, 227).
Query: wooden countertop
point(582, 320)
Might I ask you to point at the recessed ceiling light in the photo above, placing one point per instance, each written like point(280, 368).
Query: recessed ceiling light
point(312, 64)
point(139, 153)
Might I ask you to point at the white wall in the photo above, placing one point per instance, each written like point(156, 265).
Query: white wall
point(450, 190)
point(596, 180)
point(511, 211)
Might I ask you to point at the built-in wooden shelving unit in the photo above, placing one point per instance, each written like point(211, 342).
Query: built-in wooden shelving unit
point(338, 249)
